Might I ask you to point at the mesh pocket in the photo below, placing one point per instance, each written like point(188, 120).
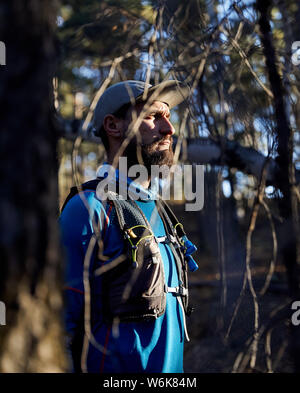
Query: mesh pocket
point(136, 291)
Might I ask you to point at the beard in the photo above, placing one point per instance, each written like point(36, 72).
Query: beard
point(149, 154)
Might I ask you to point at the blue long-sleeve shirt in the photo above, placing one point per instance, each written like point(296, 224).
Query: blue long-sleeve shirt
point(148, 346)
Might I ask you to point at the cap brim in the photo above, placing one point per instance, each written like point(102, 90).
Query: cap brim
point(171, 92)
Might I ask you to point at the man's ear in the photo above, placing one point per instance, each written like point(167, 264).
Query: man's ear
point(113, 126)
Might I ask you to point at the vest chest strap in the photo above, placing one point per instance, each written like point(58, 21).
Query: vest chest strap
point(164, 239)
point(180, 290)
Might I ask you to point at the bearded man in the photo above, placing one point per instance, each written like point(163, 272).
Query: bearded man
point(126, 274)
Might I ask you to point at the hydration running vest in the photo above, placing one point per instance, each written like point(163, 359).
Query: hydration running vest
point(135, 289)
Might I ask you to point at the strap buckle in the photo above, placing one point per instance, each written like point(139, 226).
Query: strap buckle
point(178, 291)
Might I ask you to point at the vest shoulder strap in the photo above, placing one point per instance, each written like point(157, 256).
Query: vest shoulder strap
point(165, 209)
point(89, 185)
point(127, 211)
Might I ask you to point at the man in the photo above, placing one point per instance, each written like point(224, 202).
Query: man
point(126, 292)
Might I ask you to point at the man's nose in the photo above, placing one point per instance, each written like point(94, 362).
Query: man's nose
point(166, 127)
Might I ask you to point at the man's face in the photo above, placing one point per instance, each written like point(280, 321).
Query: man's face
point(155, 133)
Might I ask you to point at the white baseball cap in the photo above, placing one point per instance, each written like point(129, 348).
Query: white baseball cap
point(171, 92)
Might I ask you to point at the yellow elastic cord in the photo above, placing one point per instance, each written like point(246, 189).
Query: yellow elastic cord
point(134, 246)
point(179, 223)
point(181, 241)
point(134, 250)
point(139, 226)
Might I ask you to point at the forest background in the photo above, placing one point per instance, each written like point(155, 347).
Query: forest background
point(242, 122)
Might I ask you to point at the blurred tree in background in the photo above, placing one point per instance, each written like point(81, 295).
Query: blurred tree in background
point(31, 262)
point(242, 123)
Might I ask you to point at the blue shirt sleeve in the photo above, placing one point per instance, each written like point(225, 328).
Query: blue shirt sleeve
point(77, 224)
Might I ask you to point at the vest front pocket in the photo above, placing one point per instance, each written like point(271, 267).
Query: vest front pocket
point(135, 291)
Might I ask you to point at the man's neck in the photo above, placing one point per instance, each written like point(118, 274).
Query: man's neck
point(145, 184)
point(111, 160)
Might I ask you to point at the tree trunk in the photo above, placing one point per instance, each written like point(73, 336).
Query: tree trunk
point(30, 270)
point(289, 232)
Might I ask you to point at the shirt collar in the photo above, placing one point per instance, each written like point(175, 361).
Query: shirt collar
point(124, 182)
